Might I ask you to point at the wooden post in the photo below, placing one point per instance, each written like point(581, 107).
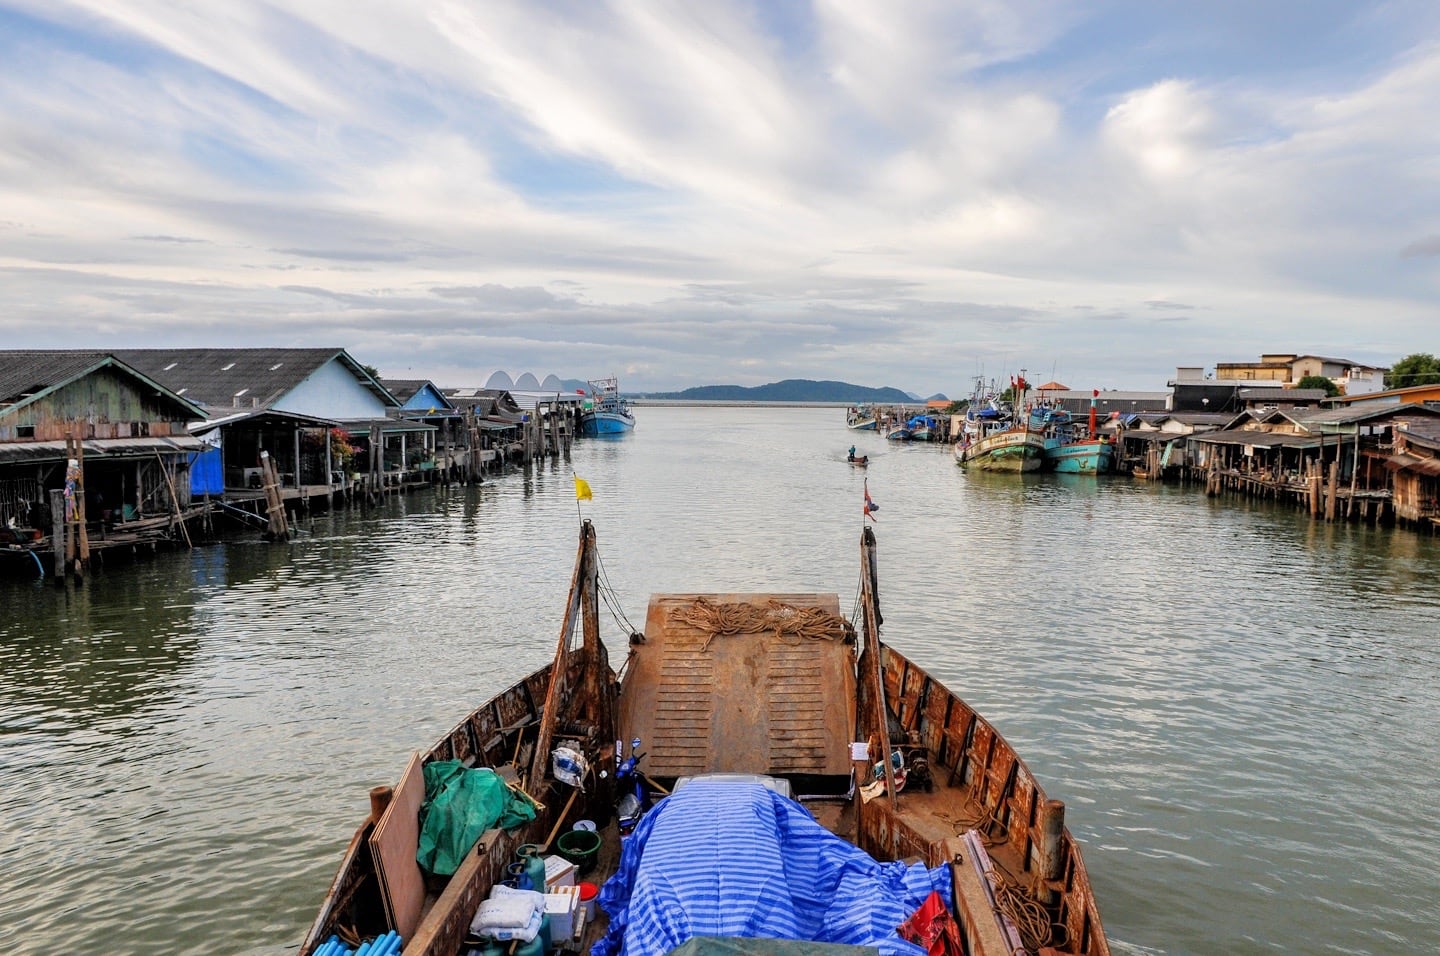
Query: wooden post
point(77, 542)
point(379, 799)
point(175, 501)
point(1052, 856)
point(377, 461)
point(1334, 484)
point(57, 532)
point(274, 506)
point(80, 516)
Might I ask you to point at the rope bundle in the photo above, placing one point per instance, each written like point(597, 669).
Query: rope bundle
point(785, 621)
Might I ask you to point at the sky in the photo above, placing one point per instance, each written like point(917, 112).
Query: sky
point(904, 194)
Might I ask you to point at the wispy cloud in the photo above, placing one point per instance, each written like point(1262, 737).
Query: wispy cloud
point(725, 191)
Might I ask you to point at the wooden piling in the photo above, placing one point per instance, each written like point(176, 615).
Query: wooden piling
point(58, 527)
point(377, 464)
point(1334, 485)
point(279, 528)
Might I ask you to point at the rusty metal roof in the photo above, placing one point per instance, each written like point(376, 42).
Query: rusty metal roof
point(763, 703)
point(1404, 462)
point(1267, 439)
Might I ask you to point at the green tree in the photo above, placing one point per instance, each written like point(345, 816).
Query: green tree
point(1319, 381)
point(1420, 368)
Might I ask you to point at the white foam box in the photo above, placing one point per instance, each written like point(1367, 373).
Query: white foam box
point(560, 905)
point(558, 872)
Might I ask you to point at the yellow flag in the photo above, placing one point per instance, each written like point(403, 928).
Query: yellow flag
point(582, 489)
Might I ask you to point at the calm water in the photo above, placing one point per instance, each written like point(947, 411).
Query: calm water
point(1239, 707)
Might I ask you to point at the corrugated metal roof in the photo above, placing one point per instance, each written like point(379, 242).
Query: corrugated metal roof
point(361, 426)
point(214, 377)
point(1404, 462)
point(1263, 439)
point(100, 448)
point(263, 414)
point(27, 373)
point(1351, 414)
point(1284, 395)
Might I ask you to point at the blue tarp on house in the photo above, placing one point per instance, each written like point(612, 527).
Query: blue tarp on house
point(207, 473)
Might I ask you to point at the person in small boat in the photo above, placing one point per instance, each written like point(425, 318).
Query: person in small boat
point(852, 453)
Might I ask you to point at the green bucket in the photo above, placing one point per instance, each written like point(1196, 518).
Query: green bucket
point(579, 847)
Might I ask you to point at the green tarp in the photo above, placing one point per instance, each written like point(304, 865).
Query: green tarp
point(460, 804)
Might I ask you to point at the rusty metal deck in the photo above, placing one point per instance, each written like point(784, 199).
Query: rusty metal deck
point(739, 703)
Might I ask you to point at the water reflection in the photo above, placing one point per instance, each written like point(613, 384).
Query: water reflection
point(1237, 703)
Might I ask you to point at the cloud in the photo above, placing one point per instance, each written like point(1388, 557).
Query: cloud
point(724, 191)
point(1421, 248)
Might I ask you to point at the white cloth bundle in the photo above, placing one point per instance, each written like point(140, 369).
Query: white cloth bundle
point(510, 914)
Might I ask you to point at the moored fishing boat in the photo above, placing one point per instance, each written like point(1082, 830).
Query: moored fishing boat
point(1069, 451)
point(861, 418)
point(609, 413)
point(741, 701)
point(1085, 456)
point(1008, 449)
point(923, 427)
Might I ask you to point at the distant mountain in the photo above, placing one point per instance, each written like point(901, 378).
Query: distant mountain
point(790, 390)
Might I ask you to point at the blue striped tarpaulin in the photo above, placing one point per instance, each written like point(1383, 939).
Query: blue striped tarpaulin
point(727, 858)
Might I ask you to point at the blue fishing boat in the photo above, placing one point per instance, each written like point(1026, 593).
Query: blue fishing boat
point(1080, 455)
point(607, 413)
point(923, 427)
point(1068, 448)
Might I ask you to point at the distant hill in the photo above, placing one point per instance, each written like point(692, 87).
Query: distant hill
point(790, 390)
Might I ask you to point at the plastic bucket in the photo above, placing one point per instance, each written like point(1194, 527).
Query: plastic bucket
point(588, 892)
point(579, 847)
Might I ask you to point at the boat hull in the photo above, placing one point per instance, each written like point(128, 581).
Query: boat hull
point(958, 766)
point(863, 425)
point(1012, 451)
point(1083, 457)
point(594, 424)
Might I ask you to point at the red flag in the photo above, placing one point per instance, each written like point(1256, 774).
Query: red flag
point(870, 506)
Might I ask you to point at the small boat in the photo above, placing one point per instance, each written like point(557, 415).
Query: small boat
point(608, 413)
point(799, 777)
point(898, 433)
point(861, 418)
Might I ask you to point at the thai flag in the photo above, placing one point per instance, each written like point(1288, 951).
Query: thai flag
point(870, 506)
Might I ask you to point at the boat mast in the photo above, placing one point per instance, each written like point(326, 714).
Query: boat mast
point(872, 675)
point(592, 689)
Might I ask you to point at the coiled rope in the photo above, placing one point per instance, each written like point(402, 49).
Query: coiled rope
point(1030, 917)
point(1017, 901)
point(787, 622)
